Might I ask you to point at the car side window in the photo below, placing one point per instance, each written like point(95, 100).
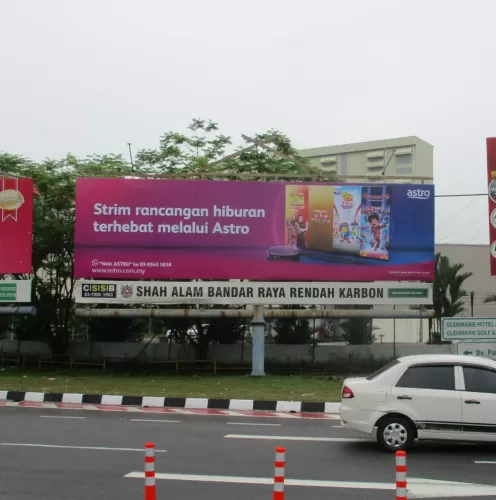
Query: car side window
point(441, 377)
point(479, 380)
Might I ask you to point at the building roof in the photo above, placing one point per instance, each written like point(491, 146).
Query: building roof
point(363, 146)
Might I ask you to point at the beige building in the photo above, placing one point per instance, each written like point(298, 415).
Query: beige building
point(402, 160)
point(481, 284)
point(475, 259)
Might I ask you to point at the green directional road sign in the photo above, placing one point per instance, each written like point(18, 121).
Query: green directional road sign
point(468, 329)
point(480, 349)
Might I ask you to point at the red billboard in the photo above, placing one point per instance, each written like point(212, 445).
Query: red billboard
point(16, 225)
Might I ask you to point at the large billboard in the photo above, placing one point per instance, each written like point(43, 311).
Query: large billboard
point(172, 229)
point(243, 293)
point(16, 225)
point(491, 189)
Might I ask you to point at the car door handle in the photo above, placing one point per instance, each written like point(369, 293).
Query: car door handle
point(404, 397)
point(472, 402)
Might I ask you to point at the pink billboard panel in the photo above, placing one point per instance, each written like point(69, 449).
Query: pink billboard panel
point(173, 229)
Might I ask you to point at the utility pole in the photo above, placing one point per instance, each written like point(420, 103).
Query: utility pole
point(131, 156)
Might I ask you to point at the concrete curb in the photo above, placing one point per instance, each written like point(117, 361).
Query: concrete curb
point(164, 402)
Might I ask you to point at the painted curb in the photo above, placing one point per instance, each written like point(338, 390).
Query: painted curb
point(165, 402)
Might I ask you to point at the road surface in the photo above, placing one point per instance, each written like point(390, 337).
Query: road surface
point(86, 455)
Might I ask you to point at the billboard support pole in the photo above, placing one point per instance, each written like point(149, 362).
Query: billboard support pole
point(258, 336)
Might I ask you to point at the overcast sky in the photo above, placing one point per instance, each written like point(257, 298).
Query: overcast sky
point(88, 76)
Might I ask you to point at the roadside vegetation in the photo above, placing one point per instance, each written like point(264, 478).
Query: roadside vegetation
point(269, 388)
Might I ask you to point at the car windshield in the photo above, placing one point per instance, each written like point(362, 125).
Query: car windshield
point(382, 370)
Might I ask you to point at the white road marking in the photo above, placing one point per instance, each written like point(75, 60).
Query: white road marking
point(100, 448)
point(298, 438)
point(60, 416)
point(418, 488)
point(155, 420)
point(248, 423)
point(485, 462)
point(263, 480)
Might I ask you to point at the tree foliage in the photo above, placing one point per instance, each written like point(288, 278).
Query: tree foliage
point(448, 293)
point(292, 330)
point(358, 331)
point(203, 154)
point(200, 333)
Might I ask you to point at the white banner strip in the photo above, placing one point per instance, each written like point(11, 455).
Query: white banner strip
point(267, 293)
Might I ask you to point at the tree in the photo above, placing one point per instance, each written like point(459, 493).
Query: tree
point(490, 298)
point(202, 155)
point(358, 331)
point(200, 333)
point(292, 330)
point(447, 293)
point(185, 154)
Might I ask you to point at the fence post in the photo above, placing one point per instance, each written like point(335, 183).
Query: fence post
point(279, 473)
point(401, 490)
point(150, 490)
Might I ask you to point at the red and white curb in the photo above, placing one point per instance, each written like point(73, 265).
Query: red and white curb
point(180, 411)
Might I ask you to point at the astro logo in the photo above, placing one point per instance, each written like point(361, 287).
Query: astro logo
point(347, 200)
point(418, 194)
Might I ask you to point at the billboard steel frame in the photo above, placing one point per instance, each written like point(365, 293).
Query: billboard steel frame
point(258, 316)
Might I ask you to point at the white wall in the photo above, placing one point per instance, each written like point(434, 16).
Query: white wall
point(407, 330)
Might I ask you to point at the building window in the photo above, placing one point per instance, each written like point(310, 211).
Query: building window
point(343, 165)
point(404, 170)
point(403, 159)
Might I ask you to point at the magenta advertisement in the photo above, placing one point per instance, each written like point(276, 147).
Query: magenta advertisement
point(201, 229)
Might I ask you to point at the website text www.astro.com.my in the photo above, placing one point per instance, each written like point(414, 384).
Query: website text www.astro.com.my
point(126, 267)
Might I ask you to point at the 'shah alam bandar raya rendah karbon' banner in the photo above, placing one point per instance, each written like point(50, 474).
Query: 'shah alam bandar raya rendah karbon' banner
point(153, 229)
point(215, 292)
point(16, 225)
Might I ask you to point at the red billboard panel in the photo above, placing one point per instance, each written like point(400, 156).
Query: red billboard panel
point(16, 225)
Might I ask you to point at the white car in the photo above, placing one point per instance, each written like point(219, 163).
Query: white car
point(434, 396)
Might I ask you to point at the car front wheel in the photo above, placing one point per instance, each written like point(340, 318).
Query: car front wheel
point(395, 434)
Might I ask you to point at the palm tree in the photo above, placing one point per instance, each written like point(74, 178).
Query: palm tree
point(490, 298)
point(447, 292)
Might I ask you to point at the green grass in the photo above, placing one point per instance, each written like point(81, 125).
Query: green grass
point(279, 388)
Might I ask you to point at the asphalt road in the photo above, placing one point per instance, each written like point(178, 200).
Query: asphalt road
point(87, 454)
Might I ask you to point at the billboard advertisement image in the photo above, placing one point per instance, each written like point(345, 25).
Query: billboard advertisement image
point(172, 229)
point(491, 189)
point(16, 225)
